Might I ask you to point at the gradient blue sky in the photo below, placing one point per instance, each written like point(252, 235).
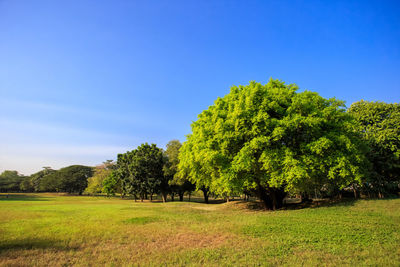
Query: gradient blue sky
point(81, 81)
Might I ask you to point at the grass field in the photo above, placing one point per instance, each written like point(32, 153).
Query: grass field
point(46, 229)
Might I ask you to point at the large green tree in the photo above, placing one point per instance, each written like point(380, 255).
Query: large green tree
point(270, 140)
point(379, 124)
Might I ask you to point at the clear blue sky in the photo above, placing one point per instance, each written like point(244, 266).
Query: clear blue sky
point(81, 81)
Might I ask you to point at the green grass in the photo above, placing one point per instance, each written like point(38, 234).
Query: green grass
point(49, 229)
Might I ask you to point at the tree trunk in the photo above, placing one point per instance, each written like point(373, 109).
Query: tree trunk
point(190, 194)
point(172, 197)
point(181, 196)
point(262, 193)
point(273, 196)
point(355, 191)
point(151, 197)
point(277, 195)
point(164, 197)
point(205, 193)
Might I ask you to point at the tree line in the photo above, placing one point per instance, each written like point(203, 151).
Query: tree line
point(141, 173)
point(266, 141)
point(71, 179)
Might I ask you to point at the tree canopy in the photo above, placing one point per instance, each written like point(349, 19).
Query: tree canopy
point(71, 179)
point(270, 139)
point(179, 184)
point(141, 171)
point(101, 173)
point(10, 181)
point(379, 124)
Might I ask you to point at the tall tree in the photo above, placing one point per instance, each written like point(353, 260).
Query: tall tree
point(73, 179)
point(142, 171)
point(178, 183)
point(379, 124)
point(269, 139)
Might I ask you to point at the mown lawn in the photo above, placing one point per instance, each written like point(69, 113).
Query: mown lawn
point(52, 230)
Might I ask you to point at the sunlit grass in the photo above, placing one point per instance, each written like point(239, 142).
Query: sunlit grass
point(48, 229)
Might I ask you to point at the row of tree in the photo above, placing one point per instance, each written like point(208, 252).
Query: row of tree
point(71, 179)
point(142, 173)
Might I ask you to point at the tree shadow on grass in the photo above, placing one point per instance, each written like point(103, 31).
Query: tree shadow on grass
point(22, 197)
point(345, 202)
point(259, 206)
point(29, 243)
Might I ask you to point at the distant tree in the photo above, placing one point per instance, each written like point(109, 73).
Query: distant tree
point(95, 183)
point(73, 179)
point(379, 124)
point(10, 181)
point(271, 140)
point(114, 184)
point(109, 164)
point(141, 171)
point(178, 183)
point(50, 183)
point(36, 178)
point(26, 185)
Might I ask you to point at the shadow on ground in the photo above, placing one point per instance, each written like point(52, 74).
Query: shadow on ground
point(27, 244)
point(255, 205)
point(22, 197)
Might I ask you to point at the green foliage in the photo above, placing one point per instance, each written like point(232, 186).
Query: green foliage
point(95, 183)
point(10, 181)
point(172, 153)
point(37, 177)
point(269, 138)
point(50, 182)
point(113, 184)
point(71, 179)
point(179, 184)
point(141, 171)
point(379, 124)
point(26, 185)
